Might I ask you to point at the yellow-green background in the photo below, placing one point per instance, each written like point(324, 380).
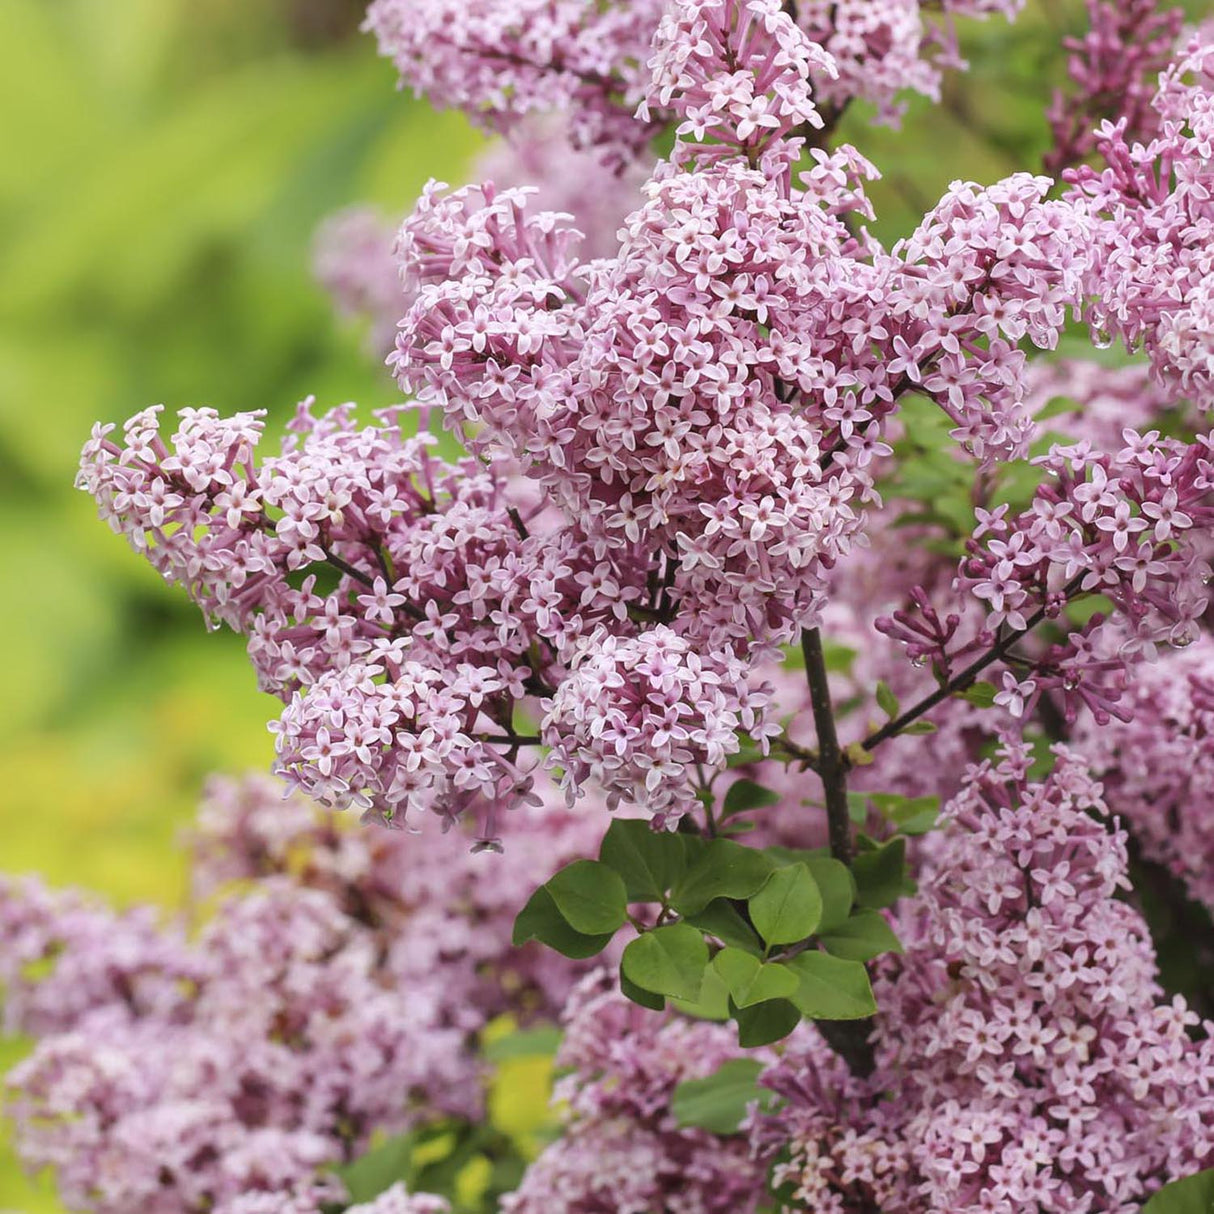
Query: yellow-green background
point(163, 164)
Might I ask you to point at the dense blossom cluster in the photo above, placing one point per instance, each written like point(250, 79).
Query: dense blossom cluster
point(501, 61)
point(1156, 765)
point(623, 1150)
point(642, 715)
point(685, 404)
point(355, 250)
point(270, 1047)
point(1153, 231)
point(440, 614)
point(337, 994)
point(1025, 1058)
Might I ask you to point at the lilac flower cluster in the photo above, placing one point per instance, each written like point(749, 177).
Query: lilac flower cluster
point(1131, 526)
point(1156, 765)
point(1153, 223)
point(622, 1150)
point(501, 61)
point(355, 250)
point(884, 50)
point(700, 418)
point(442, 614)
point(274, 1045)
point(644, 713)
point(1025, 1057)
point(339, 993)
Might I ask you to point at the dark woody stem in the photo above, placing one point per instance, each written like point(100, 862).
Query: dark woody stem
point(850, 1039)
point(831, 764)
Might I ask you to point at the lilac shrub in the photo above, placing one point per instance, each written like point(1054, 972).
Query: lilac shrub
point(1026, 1056)
point(806, 620)
point(338, 989)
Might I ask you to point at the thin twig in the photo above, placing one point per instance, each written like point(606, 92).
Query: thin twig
point(959, 682)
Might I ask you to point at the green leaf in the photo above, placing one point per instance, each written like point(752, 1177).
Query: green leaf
point(712, 1002)
point(524, 1043)
point(541, 920)
point(766, 1022)
point(379, 1169)
point(857, 807)
point(669, 960)
point(864, 936)
point(881, 875)
point(722, 870)
point(837, 887)
point(1192, 1195)
point(718, 1102)
point(638, 994)
point(911, 815)
point(649, 861)
point(838, 658)
point(789, 906)
point(591, 897)
point(746, 794)
point(831, 988)
point(981, 695)
point(721, 920)
point(751, 981)
point(917, 728)
point(887, 701)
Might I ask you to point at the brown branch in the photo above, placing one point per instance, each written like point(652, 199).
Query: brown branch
point(832, 766)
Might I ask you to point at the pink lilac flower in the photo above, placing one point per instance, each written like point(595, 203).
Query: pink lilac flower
point(641, 715)
point(622, 1150)
point(1025, 1055)
point(435, 908)
point(354, 261)
point(1130, 526)
point(1150, 262)
point(441, 610)
point(392, 1201)
point(1105, 401)
point(355, 250)
point(1156, 765)
point(501, 61)
point(338, 990)
point(287, 1046)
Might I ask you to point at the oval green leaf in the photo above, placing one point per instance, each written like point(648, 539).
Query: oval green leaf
point(669, 960)
point(591, 897)
point(788, 907)
point(830, 988)
point(718, 1102)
